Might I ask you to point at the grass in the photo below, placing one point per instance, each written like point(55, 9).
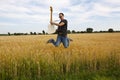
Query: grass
point(89, 57)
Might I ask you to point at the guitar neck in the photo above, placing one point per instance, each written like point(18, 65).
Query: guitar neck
point(51, 11)
point(51, 16)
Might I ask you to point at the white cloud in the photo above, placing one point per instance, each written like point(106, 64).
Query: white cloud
point(7, 24)
point(82, 14)
point(37, 11)
point(113, 1)
point(59, 3)
point(13, 9)
point(29, 14)
point(77, 8)
point(101, 10)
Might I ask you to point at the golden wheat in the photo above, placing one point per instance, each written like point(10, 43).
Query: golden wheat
point(92, 50)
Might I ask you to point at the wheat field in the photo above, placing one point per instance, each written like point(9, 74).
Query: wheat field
point(89, 57)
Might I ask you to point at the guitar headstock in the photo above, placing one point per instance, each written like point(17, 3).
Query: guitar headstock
point(51, 9)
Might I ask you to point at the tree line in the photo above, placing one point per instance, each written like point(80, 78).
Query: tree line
point(88, 30)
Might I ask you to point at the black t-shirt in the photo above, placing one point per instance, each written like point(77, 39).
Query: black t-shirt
point(62, 30)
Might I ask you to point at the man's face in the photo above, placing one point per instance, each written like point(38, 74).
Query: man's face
point(60, 16)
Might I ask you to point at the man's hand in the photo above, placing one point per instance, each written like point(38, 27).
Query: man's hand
point(52, 23)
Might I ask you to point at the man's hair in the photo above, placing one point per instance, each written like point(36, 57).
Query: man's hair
point(61, 14)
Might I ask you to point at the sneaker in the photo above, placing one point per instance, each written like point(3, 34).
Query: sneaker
point(50, 41)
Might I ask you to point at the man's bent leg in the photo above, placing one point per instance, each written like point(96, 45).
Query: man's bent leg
point(65, 41)
point(58, 41)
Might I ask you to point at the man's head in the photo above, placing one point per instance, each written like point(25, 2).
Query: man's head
point(61, 16)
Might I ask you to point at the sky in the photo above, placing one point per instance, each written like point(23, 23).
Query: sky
point(33, 15)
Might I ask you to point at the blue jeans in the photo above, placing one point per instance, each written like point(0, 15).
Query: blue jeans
point(60, 39)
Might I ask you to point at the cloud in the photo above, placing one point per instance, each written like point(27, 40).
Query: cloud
point(95, 8)
point(27, 14)
point(31, 12)
point(116, 2)
point(59, 4)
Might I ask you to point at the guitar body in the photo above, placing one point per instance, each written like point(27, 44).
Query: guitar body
point(51, 28)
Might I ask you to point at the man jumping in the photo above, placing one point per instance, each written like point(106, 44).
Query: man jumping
point(61, 32)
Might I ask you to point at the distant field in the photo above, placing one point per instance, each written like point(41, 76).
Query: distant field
point(89, 57)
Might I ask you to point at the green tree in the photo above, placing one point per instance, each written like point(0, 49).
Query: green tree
point(73, 31)
point(43, 32)
point(110, 30)
point(31, 33)
point(89, 30)
point(68, 31)
point(9, 33)
point(35, 33)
